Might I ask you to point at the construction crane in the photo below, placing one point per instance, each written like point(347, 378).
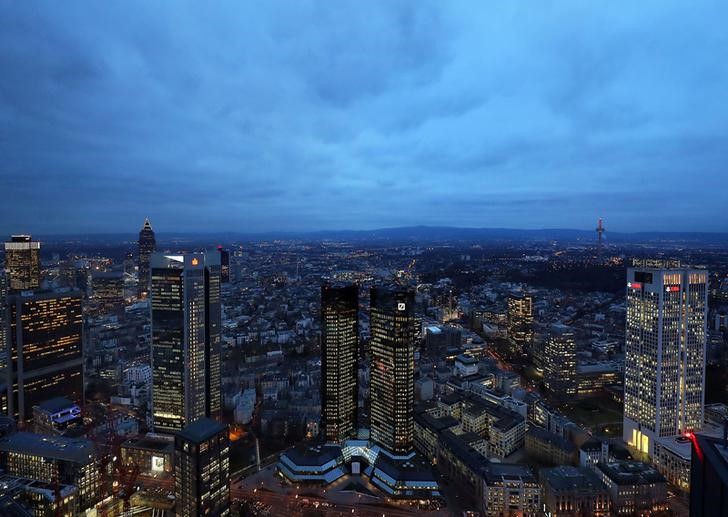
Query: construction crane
point(116, 478)
point(403, 276)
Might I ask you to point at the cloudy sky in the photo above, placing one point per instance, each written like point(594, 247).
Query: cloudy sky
point(298, 115)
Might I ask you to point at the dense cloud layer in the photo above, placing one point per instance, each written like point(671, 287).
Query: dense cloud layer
point(305, 115)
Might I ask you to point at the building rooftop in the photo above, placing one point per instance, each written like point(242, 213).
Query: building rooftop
point(567, 478)
point(455, 444)
point(76, 450)
point(505, 418)
point(466, 359)
point(631, 472)
point(679, 445)
point(425, 419)
point(501, 472)
point(201, 430)
point(554, 439)
point(412, 469)
point(715, 451)
point(313, 455)
point(591, 445)
point(56, 405)
point(150, 443)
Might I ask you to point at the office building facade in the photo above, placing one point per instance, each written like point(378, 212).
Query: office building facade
point(22, 263)
point(664, 373)
point(393, 333)
point(4, 340)
point(559, 362)
point(186, 341)
point(45, 350)
point(202, 469)
point(339, 355)
point(520, 320)
point(69, 461)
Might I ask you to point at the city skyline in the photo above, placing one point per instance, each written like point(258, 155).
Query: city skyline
point(397, 258)
point(385, 114)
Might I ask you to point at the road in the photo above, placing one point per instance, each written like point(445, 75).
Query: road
point(293, 505)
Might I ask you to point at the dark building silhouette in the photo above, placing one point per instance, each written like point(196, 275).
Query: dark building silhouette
point(22, 263)
point(339, 354)
point(4, 340)
point(108, 289)
point(393, 333)
point(186, 340)
point(147, 244)
point(202, 469)
point(709, 476)
point(224, 265)
point(45, 353)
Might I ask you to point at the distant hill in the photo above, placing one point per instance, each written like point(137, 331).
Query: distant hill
point(413, 234)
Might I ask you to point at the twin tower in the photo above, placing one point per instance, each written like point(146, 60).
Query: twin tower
point(393, 329)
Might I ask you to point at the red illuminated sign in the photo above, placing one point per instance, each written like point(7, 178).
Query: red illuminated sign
point(672, 288)
point(634, 285)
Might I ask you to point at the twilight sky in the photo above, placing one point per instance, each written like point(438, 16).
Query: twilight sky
point(298, 115)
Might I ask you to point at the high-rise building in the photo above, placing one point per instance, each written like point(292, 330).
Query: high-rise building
point(202, 469)
point(224, 265)
point(45, 458)
point(146, 244)
point(392, 347)
point(45, 352)
point(559, 361)
point(339, 354)
point(4, 340)
point(186, 340)
point(664, 371)
point(709, 476)
point(22, 263)
point(108, 290)
point(520, 320)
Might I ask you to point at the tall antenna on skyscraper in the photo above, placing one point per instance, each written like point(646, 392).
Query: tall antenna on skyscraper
point(600, 231)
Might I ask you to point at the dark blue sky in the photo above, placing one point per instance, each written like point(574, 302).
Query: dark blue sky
point(302, 115)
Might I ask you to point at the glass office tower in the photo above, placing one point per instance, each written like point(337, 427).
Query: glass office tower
point(22, 263)
point(186, 340)
point(393, 334)
point(339, 354)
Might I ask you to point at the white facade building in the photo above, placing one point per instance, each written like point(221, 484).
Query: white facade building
point(664, 373)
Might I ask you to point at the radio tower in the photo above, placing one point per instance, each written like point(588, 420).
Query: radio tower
point(600, 231)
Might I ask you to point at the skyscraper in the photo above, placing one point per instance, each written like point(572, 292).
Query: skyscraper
point(339, 353)
point(224, 265)
point(393, 333)
point(709, 476)
point(559, 358)
point(202, 469)
point(185, 299)
point(520, 320)
point(664, 352)
point(4, 340)
point(45, 353)
point(22, 263)
point(147, 243)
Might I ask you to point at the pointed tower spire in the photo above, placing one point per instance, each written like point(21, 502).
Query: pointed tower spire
point(147, 224)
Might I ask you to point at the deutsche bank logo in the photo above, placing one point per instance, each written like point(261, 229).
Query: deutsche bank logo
point(401, 306)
